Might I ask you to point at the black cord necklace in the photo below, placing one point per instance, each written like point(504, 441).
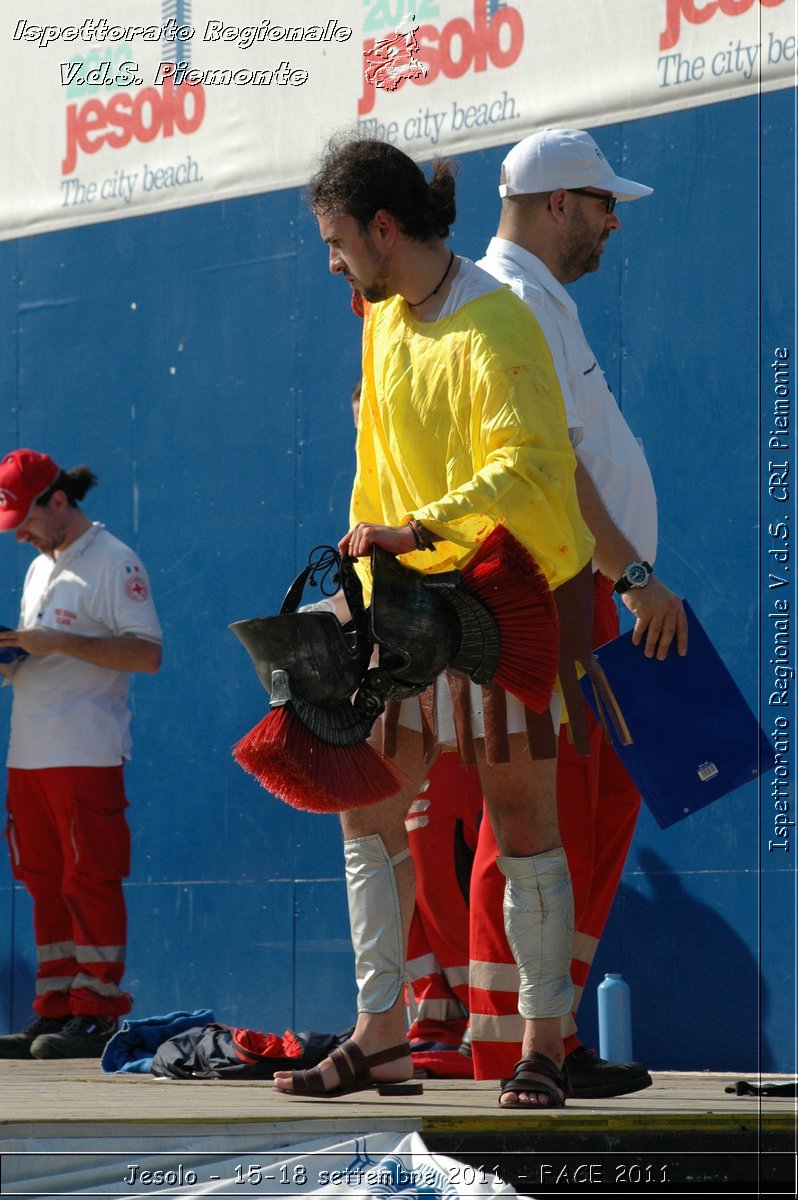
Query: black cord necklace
point(439, 284)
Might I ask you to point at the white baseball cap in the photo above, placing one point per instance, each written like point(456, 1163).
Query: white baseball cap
point(562, 158)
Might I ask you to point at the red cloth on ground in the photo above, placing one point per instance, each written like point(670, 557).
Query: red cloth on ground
point(443, 1064)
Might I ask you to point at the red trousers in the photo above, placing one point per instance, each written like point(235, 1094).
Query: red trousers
point(598, 808)
point(442, 829)
point(70, 845)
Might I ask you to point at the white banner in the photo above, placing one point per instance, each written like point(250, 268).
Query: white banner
point(376, 1165)
point(167, 103)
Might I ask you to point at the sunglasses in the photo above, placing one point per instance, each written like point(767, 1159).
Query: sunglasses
point(608, 201)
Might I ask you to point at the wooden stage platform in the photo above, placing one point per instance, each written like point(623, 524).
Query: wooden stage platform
point(683, 1136)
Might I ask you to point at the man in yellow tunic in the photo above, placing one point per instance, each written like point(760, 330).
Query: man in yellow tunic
point(461, 428)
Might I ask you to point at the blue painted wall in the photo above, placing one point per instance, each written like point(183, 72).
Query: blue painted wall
point(201, 363)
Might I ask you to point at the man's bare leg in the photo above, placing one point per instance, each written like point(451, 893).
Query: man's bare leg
point(375, 1031)
point(521, 798)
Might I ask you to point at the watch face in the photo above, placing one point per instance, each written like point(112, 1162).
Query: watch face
point(637, 574)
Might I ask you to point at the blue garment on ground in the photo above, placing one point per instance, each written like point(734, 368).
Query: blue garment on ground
point(133, 1046)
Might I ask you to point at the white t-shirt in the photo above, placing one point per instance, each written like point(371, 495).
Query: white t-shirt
point(69, 713)
point(603, 442)
point(469, 283)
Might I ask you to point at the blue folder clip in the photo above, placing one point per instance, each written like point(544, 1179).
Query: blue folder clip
point(694, 737)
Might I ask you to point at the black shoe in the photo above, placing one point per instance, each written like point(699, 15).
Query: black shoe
point(17, 1045)
point(592, 1078)
point(81, 1037)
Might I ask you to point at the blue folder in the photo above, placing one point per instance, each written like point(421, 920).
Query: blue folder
point(694, 738)
point(9, 654)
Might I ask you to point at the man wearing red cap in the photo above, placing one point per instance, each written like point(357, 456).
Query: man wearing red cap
point(87, 619)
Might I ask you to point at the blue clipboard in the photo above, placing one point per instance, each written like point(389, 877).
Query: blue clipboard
point(694, 737)
point(9, 654)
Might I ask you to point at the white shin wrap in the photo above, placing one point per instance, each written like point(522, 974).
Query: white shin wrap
point(539, 923)
point(375, 919)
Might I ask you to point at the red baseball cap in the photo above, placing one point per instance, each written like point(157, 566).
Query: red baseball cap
point(24, 476)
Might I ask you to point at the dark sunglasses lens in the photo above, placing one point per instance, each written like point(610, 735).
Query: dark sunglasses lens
point(608, 201)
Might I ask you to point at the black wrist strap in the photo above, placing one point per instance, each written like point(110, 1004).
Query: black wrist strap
point(623, 585)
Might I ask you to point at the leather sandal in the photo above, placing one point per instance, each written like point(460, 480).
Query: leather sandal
point(354, 1074)
point(535, 1073)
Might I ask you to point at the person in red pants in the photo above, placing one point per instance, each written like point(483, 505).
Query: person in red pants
point(442, 831)
point(87, 620)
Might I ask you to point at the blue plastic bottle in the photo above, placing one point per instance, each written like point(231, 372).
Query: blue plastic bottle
point(615, 1019)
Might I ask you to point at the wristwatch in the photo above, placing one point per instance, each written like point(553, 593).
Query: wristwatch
point(636, 575)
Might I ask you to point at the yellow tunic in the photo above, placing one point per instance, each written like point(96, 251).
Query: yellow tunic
point(462, 426)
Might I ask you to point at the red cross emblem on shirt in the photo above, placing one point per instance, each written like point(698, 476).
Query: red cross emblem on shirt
point(136, 585)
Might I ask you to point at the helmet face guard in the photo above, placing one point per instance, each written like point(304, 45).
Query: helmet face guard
point(416, 630)
point(311, 748)
point(308, 659)
point(423, 624)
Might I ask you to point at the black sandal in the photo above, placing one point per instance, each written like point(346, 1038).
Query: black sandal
point(354, 1074)
point(535, 1073)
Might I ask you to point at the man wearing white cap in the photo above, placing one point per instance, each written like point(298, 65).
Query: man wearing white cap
point(87, 619)
point(559, 196)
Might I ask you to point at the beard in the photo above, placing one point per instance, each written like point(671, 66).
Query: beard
point(374, 292)
point(49, 540)
point(375, 288)
point(581, 255)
